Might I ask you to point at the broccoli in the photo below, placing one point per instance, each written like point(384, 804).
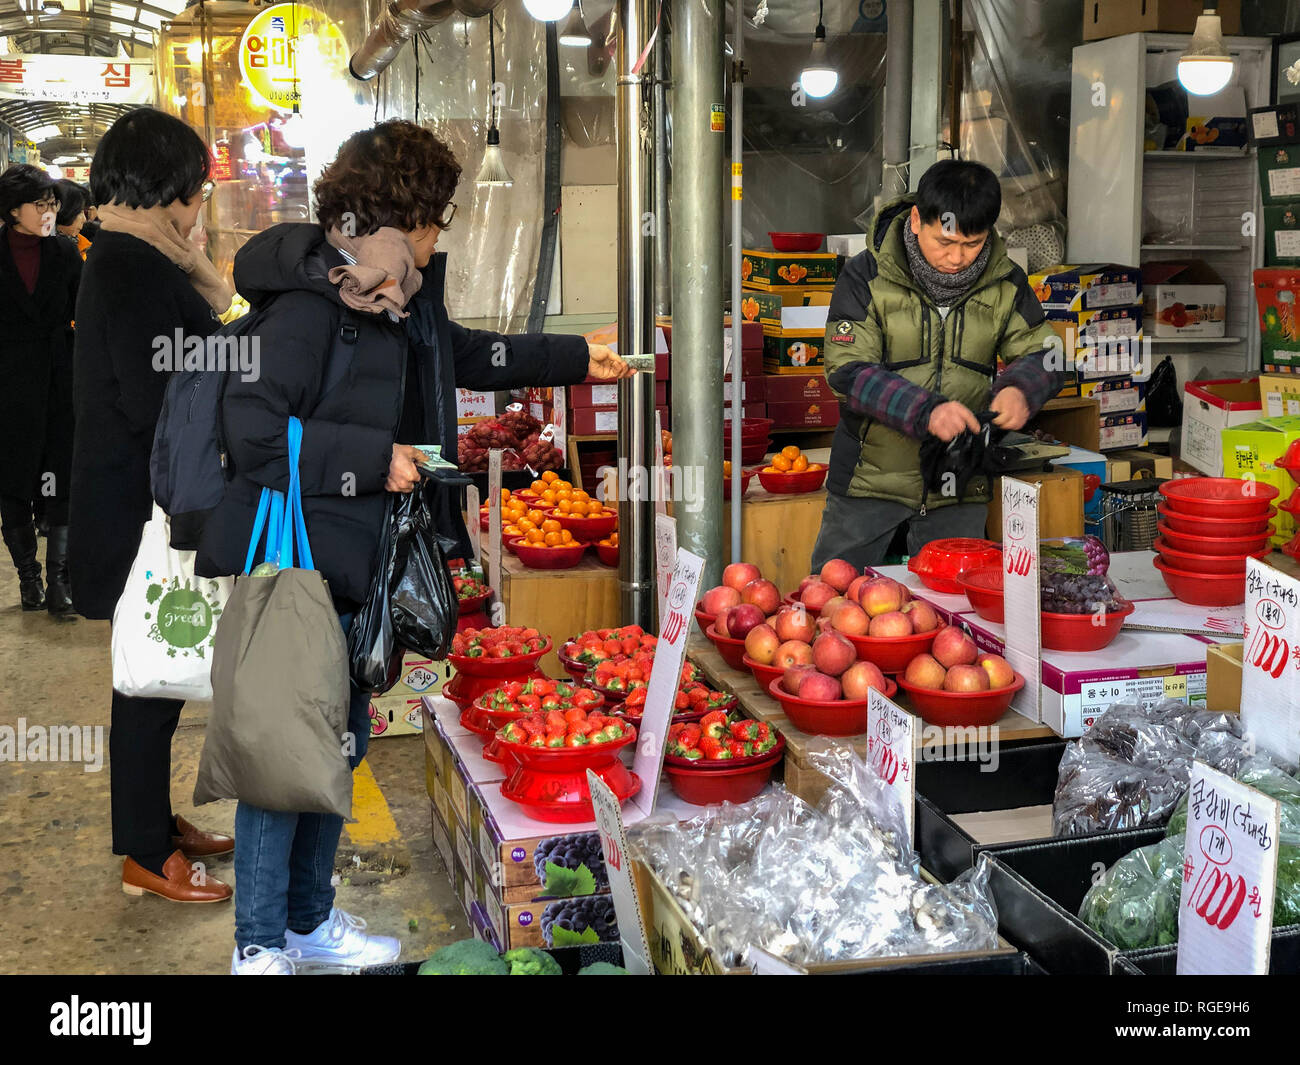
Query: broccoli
point(469, 957)
point(603, 968)
point(529, 961)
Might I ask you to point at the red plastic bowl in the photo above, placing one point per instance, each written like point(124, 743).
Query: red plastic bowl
point(892, 653)
point(704, 620)
point(474, 603)
point(463, 689)
point(588, 530)
point(1290, 461)
point(1225, 528)
point(577, 670)
point(1218, 497)
point(709, 787)
point(1078, 632)
point(961, 709)
point(1212, 565)
point(793, 483)
point(940, 562)
point(983, 587)
point(607, 553)
point(469, 719)
point(789, 242)
point(763, 674)
point(566, 759)
point(548, 557)
point(487, 717)
point(1292, 505)
point(564, 797)
point(517, 667)
point(706, 765)
point(1204, 589)
point(840, 718)
point(745, 477)
point(732, 651)
point(1212, 545)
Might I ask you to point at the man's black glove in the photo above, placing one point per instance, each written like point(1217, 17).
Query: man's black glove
point(948, 467)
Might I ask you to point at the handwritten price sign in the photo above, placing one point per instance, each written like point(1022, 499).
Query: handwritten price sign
point(622, 886)
point(890, 752)
point(1225, 914)
point(1024, 645)
point(1270, 667)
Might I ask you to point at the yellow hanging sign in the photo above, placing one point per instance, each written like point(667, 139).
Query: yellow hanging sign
point(280, 46)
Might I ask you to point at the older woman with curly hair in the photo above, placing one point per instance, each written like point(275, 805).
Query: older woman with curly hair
point(369, 265)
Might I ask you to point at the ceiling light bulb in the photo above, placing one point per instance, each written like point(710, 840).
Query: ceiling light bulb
point(1206, 67)
point(575, 32)
point(819, 78)
point(548, 10)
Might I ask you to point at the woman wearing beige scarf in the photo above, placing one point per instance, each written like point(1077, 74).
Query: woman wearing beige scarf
point(143, 282)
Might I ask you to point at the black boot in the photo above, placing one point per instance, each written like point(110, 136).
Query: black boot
point(58, 595)
point(22, 549)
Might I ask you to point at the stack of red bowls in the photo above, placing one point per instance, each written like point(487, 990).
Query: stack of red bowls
point(1208, 527)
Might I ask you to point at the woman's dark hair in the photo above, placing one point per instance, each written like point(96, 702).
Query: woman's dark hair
point(969, 191)
point(397, 174)
point(23, 183)
point(149, 159)
point(72, 201)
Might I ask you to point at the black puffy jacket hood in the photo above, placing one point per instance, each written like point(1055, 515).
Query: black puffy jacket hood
point(291, 256)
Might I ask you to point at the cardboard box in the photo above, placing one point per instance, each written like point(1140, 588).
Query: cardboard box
point(1092, 466)
point(1277, 292)
point(1279, 174)
point(597, 421)
point(753, 389)
point(750, 410)
point(1223, 677)
point(1123, 430)
point(797, 347)
point(1112, 18)
point(1253, 449)
point(442, 841)
point(1092, 327)
point(1115, 395)
point(1215, 122)
point(524, 924)
point(1184, 300)
point(1282, 235)
point(1209, 407)
point(764, 308)
point(1060, 503)
point(801, 388)
point(420, 676)
point(394, 715)
point(817, 414)
point(1131, 465)
point(1072, 421)
point(764, 269)
point(1279, 394)
point(606, 395)
point(1088, 287)
point(1274, 124)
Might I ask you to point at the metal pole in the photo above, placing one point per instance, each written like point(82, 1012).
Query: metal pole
point(698, 169)
point(898, 99)
point(929, 29)
point(737, 241)
point(663, 247)
point(636, 323)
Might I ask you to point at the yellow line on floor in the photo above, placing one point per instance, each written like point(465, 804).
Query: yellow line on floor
point(374, 822)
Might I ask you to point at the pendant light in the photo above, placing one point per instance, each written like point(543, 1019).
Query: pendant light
point(819, 78)
point(493, 172)
point(548, 10)
point(1206, 67)
point(575, 32)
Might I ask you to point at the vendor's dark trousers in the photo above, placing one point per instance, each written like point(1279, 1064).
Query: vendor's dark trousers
point(860, 530)
point(140, 759)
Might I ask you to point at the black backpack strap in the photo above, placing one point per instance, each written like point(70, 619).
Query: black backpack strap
point(342, 347)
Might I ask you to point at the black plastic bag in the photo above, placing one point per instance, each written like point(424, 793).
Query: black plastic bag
point(374, 657)
point(422, 598)
point(1164, 401)
point(949, 466)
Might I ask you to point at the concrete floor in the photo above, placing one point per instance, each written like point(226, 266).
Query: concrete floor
point(62, 909)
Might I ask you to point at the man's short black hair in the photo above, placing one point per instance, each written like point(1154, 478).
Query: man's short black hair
point(149, 159)
point(72, 201)
point(969, 191)
point(23, 183)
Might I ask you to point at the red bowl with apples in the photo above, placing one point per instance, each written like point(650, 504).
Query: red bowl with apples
point(961, 709)
point(793, 483)
point(763, 674)
point(892, 653)
point(516, 667)
point(1078, 632)
point(843, 717)
point(1212, 545)
point(607, 553)
point(1218, 497)
point(704, 619)
point(1204, 589)
point(474, 603)
point(940, 562)
point(548, 557)
point(983, 587)
point(1227, 528)
point(588, 530)
point(732, 650)
point(1212, 565)
point(708, 787)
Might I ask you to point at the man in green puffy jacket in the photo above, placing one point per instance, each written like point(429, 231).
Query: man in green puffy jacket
point(917, 325)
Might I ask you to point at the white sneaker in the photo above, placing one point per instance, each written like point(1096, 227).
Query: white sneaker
point(341, 942)
point(261, 961)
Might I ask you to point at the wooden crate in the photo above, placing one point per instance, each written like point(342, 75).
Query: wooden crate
point(561, 602)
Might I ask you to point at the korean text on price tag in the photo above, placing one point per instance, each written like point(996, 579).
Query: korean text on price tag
point(1225, 912)
point(665, 676)
point(665, 557)
point(1024, 644)
point(627, 907)
point(1270, 662)
point(890, 752)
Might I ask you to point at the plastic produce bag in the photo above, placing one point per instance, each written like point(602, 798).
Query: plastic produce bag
point(422, 597)
point(374, 656)
point(1164, 400)
point(1135, 903)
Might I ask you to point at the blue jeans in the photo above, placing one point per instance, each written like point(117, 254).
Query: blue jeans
point(284, 862)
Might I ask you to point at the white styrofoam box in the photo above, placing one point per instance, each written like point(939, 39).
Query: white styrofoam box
point(846, 244)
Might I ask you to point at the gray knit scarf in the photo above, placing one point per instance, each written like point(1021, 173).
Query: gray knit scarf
point(944, 289)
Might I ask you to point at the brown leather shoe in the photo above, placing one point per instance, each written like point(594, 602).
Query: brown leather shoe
point(195, 843)
point(177, 882)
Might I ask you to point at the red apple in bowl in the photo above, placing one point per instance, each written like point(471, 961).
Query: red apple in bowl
point(832, 605)
point(890, 626)
point(953, 647)
point(1001, 675)
point(795, 623)
point(851, 620)
point(819, 688)
point(922, 615)
point(881, 595)
point(816, 595)
point(761, 643)
point(833, 654)
point(966, 679)
point(924, 671)
point(718, 599)
point(793, 677)
point(824, 625)
point(859, 678)
point(742, 619)
point(763, 594)
point(793, 653)
point(855, 589)
point(839, 574)
point(739, 574)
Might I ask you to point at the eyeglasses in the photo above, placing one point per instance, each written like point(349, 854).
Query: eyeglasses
point(445, 223)
point(207, 189)
point(46, 205)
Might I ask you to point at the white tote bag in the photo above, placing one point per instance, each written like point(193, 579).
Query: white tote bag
point(165, 620)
